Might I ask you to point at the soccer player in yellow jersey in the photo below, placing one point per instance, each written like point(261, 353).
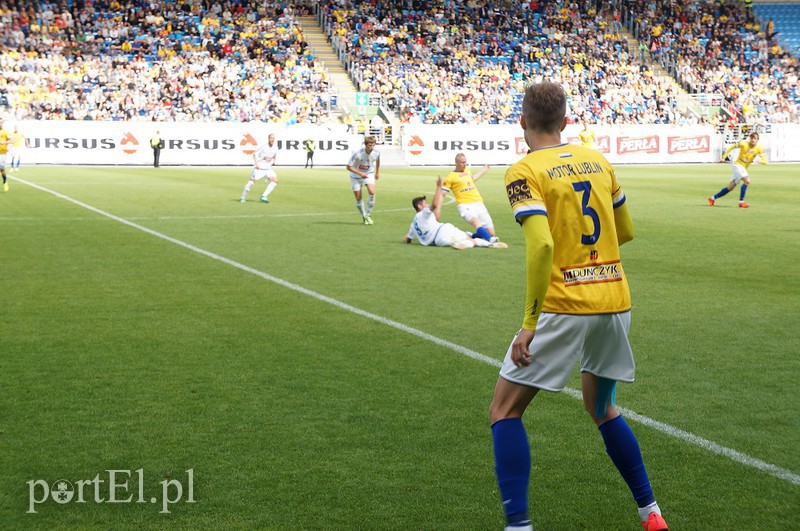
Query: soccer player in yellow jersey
point(469, 201)
point(748, 151)
point(5, 141)
point(587, 136)
point(18, 141)
point(574, 217)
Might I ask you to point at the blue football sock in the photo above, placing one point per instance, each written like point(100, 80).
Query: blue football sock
point(721, 193)
point(512, 457)
point(623, 449)
point(482, 233)
point(742, 192)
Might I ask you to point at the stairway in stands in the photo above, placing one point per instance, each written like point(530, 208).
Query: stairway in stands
point(391, 154)
point(635, 56)
point(323, 51)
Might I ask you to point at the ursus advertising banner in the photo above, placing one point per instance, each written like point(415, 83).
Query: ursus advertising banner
point(504, 144)
point(128, 143)
point(233, 144)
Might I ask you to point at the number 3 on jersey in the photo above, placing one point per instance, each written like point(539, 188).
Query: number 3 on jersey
point(586, 188)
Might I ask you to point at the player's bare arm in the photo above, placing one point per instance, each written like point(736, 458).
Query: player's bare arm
point(481, 173)
point(436, 202)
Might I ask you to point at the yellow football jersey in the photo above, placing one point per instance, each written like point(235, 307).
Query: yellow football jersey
point(463, 187)
point(587, 138)
point(576, 188)
point(17, 139)
point(746, 153)
point(5, 136)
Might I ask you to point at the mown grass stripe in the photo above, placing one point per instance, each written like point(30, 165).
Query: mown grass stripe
point(710, 446)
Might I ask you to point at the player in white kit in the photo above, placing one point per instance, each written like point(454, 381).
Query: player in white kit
point(365, 168)
point(427, 228)
point(263, 160)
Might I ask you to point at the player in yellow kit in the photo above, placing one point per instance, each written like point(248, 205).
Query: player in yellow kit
point(748, 151)
point(574, 217)
point(5, 141)
point(587, 136)
point(469, 202)
point(18, 143)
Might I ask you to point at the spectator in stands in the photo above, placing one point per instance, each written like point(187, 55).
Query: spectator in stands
point(475, 61)
point(104, 61)
point(721, 49)
point(249, 61)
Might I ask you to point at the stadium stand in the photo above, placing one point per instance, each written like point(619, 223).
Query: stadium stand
point(453, 62)
point(175, 60)
point(781, 23)
point(716, 48)
point(437, 61)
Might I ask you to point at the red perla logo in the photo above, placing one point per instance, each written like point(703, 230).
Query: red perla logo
point(643, 144)
point(683, 144)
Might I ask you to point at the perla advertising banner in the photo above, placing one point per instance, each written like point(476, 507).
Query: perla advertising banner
point(128, 143)
point(505, 144)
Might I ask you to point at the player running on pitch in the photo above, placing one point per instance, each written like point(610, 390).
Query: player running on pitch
point(748, 151)
point(263, 161)
point(365, 169)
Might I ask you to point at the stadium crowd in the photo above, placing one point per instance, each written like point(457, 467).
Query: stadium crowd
point(176, 60)
point(441, 61)
point(720, 48)
point(453, 62)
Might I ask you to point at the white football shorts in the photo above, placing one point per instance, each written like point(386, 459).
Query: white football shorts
point(261, 174)
point(2, 161)
point(599, 341)
point(357, 182)
point(739, 173)
point(449, 235)
point(472, 210)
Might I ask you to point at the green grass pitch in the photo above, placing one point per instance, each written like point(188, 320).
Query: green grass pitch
point(156, 339)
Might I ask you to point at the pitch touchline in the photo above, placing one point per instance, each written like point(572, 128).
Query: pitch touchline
point(711, 446)
point(166, 218)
